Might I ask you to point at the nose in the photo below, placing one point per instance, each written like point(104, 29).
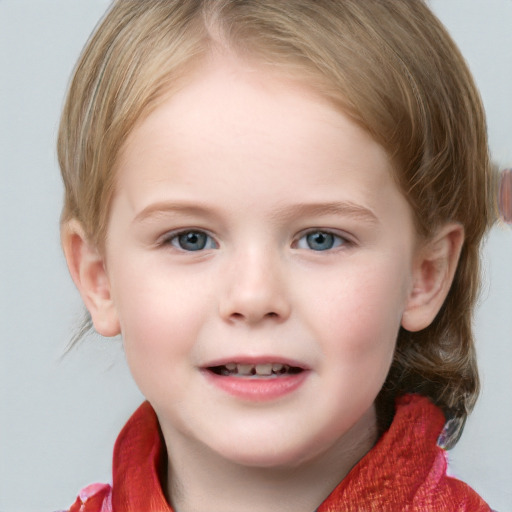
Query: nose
point(255, 289)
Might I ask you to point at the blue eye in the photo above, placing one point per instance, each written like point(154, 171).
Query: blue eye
point(193, 241)
point(320, 241)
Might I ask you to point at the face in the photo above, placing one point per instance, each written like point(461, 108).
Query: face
point(259, 260)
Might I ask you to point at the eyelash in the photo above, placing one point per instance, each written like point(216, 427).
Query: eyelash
point(178, 237)
point(205, 241)
point(337, 241)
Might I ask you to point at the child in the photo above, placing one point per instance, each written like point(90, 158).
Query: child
point(279, 205)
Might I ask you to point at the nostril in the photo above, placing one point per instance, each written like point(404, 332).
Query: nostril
point(238, 307)
point(240, 316)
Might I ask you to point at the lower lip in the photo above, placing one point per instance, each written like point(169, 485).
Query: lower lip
point(258, 389)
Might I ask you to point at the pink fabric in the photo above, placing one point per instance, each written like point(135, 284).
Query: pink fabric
point(94, 497)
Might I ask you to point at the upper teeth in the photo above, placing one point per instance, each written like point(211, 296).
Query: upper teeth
point(263, 369)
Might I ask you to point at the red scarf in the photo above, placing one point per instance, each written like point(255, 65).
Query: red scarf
point(405, 470)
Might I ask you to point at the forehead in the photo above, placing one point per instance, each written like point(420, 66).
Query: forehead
point(237, 123)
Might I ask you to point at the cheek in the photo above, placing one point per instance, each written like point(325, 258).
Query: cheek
point(159, 329)
point(159, 315)
point(360, 309)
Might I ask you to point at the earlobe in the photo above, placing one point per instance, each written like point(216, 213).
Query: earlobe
point(87, 269)
point(433, 272)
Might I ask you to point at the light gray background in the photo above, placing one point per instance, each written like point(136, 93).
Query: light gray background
point(59, 418)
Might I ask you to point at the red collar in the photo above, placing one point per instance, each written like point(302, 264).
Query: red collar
point(405, 470)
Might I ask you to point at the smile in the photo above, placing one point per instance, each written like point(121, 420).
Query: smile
point(258, 380)
point(266, 370)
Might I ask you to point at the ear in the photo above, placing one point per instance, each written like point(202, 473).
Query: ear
point(433, 271)
point(87, 268)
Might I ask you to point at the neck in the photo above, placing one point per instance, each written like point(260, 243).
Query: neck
point(200, 480)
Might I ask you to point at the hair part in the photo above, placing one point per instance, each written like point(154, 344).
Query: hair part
point(390, 65)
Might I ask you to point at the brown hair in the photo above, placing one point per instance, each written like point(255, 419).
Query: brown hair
point(389, 64)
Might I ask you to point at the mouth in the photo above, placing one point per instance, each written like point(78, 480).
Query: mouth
point(256, 379)
point(255, 371)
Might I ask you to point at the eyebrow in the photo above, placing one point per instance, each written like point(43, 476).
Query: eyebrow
point(345, 208)
point(161, 208)
point(289, 212)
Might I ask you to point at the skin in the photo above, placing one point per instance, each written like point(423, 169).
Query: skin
point(256, 163)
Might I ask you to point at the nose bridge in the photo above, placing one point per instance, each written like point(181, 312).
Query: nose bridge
point(256, 287)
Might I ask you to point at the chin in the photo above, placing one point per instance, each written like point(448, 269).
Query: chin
point(262, 454)
point(273, 461)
